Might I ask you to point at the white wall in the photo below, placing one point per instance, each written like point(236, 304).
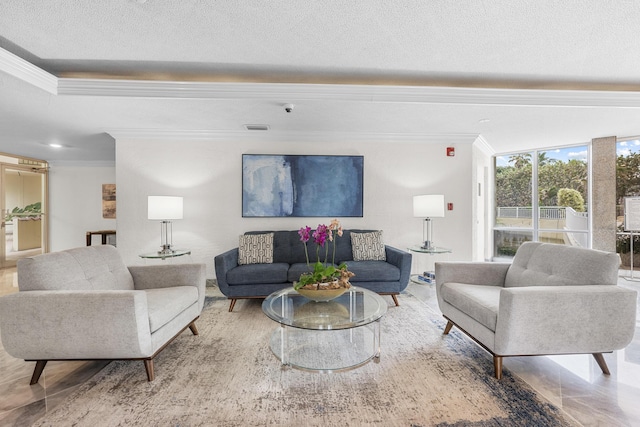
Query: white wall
point(75, 204)
point(207, 174)
point(482, 195)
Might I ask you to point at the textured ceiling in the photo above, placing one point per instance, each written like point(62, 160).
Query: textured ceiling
point(514, 41)
point(541, 44)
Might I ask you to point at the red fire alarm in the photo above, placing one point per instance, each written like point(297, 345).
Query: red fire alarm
point(450, 206)
point(451, 151)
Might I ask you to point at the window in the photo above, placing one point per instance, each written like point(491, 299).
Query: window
point(559, 212)
point(627, 185)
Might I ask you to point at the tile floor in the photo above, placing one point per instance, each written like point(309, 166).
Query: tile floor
point(573, 383)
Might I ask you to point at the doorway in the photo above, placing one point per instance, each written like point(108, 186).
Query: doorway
point(23, 209)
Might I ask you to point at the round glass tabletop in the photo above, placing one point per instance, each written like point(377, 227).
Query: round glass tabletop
point(356, 307)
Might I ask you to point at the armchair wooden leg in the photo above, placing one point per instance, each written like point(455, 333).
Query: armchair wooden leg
point(148, 366)
point(40, 364)
point(447, 328)
point(497, 366)
point(193, 328)
point(232, 304)
point(601, 362)
point(395, 299)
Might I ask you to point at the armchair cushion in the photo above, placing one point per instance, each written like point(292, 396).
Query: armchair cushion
point(477, 301)
point(561, 265)
point(86, 268)
point(166, 303)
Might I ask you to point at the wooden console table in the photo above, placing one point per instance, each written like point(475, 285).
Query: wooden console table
point(103, 233)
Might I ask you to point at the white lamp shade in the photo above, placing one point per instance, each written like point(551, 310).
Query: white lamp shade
point(428, 206)
point(164, 207)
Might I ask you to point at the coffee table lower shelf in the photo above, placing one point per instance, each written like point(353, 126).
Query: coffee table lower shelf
point(326, 350)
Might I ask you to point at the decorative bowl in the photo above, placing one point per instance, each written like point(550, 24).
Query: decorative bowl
point(322, 294)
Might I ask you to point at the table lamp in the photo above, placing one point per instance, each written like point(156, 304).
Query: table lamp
point(427, 207)
point(165, 209)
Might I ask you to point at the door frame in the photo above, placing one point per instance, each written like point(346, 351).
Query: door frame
point(32, 166)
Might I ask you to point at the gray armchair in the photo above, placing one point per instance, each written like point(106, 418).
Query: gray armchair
point(85, 304)
point(552, 299)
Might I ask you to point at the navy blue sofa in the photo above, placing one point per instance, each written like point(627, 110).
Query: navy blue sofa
point(235, 281)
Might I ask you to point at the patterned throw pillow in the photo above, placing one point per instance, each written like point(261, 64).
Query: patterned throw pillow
point(368, 246)
point(255, 249)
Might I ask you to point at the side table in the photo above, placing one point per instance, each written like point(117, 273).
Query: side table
point(430, 268)
point(163, 256)
point(104, 233)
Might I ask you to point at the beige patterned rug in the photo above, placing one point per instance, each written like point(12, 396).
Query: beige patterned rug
point(228, 376)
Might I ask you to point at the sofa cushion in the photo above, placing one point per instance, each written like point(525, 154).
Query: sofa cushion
point(258, 273)
point(288, 248)
point(547, 264)
point(255, 249)
point(368, 246)
point(373, 271)
point(164, 304)
point(295, 270)
point(477, 301)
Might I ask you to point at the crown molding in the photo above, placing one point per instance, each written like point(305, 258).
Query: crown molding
point(484, 146)
point(300, 136)
point(24, 70)
point(27, 72)
point(365, 93)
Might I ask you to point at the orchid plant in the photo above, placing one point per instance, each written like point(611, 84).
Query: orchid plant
point(321, 272)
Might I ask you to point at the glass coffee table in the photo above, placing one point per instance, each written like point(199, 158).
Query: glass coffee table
point(335, 335)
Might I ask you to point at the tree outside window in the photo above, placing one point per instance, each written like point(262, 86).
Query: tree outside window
point(559, 215)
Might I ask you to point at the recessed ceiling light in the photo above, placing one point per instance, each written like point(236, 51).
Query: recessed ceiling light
point(484, 120)
point(53, 145)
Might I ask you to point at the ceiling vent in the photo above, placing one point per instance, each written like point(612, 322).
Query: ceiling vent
point(256, 127)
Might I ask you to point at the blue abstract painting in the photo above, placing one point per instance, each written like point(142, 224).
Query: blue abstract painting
point(302, 186)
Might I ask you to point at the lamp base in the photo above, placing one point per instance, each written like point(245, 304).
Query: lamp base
point(166, 250)
point(427, 245)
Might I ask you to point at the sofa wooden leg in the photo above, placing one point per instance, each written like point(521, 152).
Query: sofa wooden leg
point(497, 366)
point(148, 366)
point(447, 328)
point(193, 328)
point(232, 304)
point(395, 299)
point(40, 364)
point(601, 362)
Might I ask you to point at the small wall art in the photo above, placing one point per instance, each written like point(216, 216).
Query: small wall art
point(109, 201)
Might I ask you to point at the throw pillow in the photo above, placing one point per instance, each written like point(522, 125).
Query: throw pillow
point(368, 246)
point(255, 249)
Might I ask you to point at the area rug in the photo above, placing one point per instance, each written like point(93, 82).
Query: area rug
point(228, 376)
